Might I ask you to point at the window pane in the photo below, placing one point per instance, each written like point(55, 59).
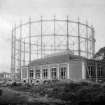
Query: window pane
point(31, 73)
point(45, 73)
point(63, 73)
point(54, 73)
point(37, 74)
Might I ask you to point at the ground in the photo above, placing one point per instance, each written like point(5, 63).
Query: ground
point(11, 96)
point(85, 93)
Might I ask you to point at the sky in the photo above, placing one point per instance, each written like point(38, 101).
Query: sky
point(14, 11)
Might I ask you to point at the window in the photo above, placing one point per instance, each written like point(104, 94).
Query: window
point(91, 71)
point(45, 73)
point(37, 74)
point(31, 73)
point(63, 73)
point(99, 71)
point(54, 73)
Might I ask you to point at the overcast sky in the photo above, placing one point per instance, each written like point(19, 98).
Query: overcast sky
point(12, 11)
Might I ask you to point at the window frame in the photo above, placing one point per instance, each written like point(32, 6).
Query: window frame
point(31, 73)
point(53, 73)
point(37, 73)
point(45, 73)
point(63, 72)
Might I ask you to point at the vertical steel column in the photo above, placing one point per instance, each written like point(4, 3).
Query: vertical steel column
point(29, 49)
point(24, 53)
point(54, 35)
point(37, 49)
point(14, 51)
point(12, 54)
point(41, 36)
point(79, 47)
point(29, 40)
point(20, 50)
point(93, 41)
point(87, 51)
point(73, 47)
point(43, 49)
point(67, 35)
point(96, 71)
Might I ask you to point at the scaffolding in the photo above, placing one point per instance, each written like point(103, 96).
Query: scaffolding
point(37, 39)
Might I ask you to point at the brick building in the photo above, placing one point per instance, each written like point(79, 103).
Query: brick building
point(5, 76)
point(64, 66)
point(95, 70)
point(56, 67)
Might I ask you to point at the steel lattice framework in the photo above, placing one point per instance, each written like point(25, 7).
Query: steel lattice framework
point(37, 39)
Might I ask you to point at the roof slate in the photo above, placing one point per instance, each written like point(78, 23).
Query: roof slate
point(62, 58)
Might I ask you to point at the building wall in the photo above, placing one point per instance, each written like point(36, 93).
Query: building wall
point(1, 76)
point(5, 76)
point(75, 71)
point(95, 70)
point(24, 74)
point(49, 67)
point(75, 68)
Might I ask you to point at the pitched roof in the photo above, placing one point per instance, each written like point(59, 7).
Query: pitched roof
point(61, 58)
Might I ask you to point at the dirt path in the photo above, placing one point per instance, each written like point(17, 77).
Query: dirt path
point(13, 96)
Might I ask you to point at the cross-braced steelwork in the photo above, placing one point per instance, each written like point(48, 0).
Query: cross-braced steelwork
point(37, 39)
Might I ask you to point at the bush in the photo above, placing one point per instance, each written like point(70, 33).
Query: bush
point(77, 92)
point(73, 93)
point(1, 92)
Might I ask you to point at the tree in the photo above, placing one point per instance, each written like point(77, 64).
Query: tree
point(100, 54)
